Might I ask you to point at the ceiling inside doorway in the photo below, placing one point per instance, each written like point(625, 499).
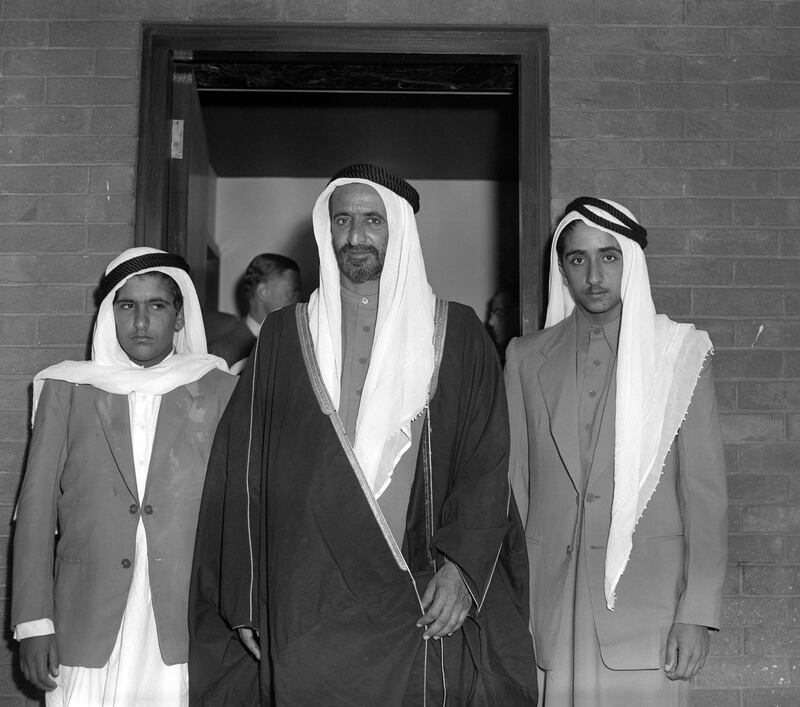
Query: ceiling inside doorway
point(312, 134)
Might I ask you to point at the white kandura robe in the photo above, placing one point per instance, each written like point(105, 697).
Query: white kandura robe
point(135, 675)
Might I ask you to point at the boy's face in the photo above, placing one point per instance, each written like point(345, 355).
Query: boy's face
point(146, 319)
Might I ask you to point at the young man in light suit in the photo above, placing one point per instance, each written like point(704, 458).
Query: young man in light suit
point(108, 507)
point(618, 469)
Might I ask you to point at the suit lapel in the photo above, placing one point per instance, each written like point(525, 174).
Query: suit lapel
point(115, 419)
point(560, 392)
point(172, 413)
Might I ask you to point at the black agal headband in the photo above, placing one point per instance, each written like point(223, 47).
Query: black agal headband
point(381, 176)
point(629, 228)
point(137, 264)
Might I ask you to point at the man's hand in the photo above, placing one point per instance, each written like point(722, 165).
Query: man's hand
point(38, 659)
point(687, 648)
point(249, 637)
point(446, 602)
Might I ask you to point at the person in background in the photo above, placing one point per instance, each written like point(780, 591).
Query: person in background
point(107, 512)
point(618, 468)
point(503, 322)
point(270, 282)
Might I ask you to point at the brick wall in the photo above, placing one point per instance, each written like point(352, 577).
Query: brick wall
point(688, 111)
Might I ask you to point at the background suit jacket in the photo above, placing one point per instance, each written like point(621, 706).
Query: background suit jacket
point(80, 483)
point(235, 344)
point(677, 564)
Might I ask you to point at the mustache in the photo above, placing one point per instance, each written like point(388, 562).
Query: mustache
point(359, 249)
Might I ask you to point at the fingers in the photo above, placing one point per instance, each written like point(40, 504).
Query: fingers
point(448, 621)
point(691, 661)
point(685, 660)
point(44, 675)
point(700, 664)
point(38, 658)
point(248, 637)
point(252, 646)
point(671, 655)
point(445, 603)
point(692, 666)
point(687, 648)
point(434, 607)
point(458, 618)
point(53, 661)
point(427, 597)
point(445, 615)
point(688, 665)
point(36, 671)
point(702, 653)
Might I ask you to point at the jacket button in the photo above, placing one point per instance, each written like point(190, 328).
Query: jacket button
point(148, 509)
point(591, 497)
point(126, 563)
point(133, 509)
point(569, 549)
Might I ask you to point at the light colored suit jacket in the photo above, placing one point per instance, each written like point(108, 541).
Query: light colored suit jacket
point(74, 540)
point(677, 564)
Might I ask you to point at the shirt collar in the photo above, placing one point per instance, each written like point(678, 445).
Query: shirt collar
point(584, 328)
point(133, 364)
point(252, 325)
point(368, 297)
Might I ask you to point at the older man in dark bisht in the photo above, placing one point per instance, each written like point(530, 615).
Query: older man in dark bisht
point(357, 530)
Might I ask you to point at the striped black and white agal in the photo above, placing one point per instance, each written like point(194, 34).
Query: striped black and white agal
point(138, 264)
point(381, 176)
point(606, 215)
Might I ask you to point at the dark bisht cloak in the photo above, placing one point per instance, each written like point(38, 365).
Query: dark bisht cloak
point(291, 542)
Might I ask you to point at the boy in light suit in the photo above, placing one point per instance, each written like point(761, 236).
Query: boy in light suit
point(618, 470)
point(108, 507)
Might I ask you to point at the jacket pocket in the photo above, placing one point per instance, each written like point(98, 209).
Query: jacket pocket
point(661, 538)
point(69, 559)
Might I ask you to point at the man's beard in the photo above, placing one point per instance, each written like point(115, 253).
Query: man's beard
point(360, 263)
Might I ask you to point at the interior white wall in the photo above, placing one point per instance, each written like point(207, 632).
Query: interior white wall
point(263, 215)
point(457, 225)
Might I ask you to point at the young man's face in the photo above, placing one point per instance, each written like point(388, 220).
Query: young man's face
point(592, 269)
point(359, 230)
point(146, 319)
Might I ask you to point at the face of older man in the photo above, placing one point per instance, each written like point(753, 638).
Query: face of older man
point(359, 230)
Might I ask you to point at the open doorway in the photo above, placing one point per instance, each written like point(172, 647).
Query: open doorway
point(255, 120)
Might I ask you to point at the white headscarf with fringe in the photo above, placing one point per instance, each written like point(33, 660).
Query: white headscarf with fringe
point(401, 364)
point(110, 368)
point(658, 364)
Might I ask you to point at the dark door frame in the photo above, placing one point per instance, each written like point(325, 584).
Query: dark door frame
point(526, 47)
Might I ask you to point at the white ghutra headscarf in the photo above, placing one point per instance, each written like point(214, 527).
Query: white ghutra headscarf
point(110, 368)
point(401, 365)
point(658, 364)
